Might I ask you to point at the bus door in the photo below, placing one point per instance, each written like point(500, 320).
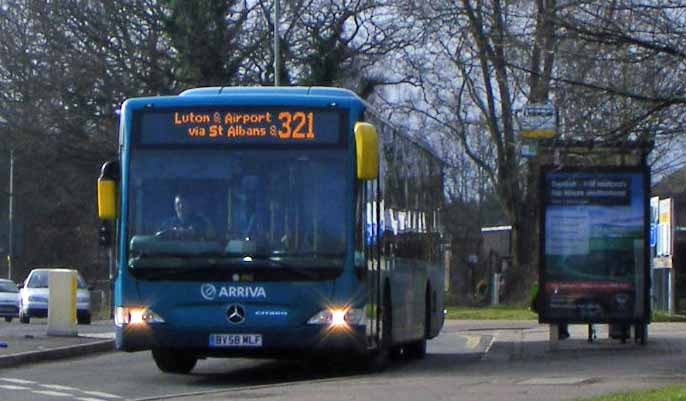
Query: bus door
point(368, 255)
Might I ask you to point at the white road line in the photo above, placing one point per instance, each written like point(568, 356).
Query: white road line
point(99, 394)
point(89, 399)
point(98, 335)
point(554, 381)
point(13, 387)
point(18, 381)
point(490, 343)
point(58, 387)
point(52, 393)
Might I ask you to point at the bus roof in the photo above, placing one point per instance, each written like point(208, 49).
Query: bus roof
point(345, 96)
point(272, 90)
point(252, 95)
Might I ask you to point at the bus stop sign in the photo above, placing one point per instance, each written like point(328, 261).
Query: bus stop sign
point(538, 121)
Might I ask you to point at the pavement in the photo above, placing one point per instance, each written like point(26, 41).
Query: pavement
point(529, 340)
point(30, 343)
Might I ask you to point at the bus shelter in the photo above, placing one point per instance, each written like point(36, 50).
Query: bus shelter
point(594, 235)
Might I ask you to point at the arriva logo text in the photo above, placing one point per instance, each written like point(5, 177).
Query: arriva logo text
point(210, 292)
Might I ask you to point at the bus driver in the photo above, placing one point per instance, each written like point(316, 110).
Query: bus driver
point(186, 224)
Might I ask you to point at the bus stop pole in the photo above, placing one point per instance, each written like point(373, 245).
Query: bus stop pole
point(495, 289)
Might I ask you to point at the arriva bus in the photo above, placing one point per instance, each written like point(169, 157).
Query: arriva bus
point(274, 222)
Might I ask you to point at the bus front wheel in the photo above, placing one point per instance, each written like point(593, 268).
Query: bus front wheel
point(393, 351)
point(170, 361)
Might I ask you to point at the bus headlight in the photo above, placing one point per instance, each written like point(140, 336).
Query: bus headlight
point(135, 316)
point(338, 317)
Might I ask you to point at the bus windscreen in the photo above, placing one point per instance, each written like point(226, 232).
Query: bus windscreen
point(247, 126)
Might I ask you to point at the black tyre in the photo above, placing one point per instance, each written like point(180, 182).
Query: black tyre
point(378, 360)
point(8, 319)
point(170, 361)
point(85, 319)
point(24, 318)
point(417, 349)
point(393, 351)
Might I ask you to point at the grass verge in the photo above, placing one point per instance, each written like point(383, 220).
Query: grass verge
point(499, 312)
point(661, 317)
point(671, 393)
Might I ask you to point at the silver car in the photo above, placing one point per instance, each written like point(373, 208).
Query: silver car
point(9, 299)
point(34, 296)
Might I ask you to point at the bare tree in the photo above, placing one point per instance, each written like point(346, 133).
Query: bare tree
point(334, 43)
point(621, 73)
point(65, 68)
point(613, 69)
point(470, 91)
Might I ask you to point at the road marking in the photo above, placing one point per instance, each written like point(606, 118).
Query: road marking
point(18, 381)
point(52, 393)
point(472, 341)
point(99, 394)
point(554, 381)
point(13, 387)
point(239, 389)
point(110, 335)
point(490, 343)
point(58, 387)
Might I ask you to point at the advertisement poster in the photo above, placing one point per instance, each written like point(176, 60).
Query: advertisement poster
point(595, 238)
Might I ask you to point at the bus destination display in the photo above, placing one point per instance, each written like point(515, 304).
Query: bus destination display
point(240, 126)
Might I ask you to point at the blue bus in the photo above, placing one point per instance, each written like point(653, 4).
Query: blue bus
point(275, 222)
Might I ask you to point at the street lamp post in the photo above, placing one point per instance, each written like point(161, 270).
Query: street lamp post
point(277, 44)
point(10, 241)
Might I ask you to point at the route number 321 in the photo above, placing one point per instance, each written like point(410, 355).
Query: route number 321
point(296, 125)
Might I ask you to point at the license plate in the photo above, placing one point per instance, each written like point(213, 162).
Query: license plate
point(235, 340)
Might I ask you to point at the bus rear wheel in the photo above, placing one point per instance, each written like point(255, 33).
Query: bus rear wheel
point(171, 361)
point(417, 349)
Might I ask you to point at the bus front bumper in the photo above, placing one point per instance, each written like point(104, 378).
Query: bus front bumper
point(276, 342)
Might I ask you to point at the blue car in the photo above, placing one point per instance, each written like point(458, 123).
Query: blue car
point(9, 300)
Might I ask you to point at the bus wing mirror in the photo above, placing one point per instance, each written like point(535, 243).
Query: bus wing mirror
point(107, 190)
point(367, 145)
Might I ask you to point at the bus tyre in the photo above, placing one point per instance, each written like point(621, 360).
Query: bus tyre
point(378, 361)
point(417, 349)
point(394, 352)
point(170, 361)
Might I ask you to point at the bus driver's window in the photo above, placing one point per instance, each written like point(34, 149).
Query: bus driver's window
point(243, 203)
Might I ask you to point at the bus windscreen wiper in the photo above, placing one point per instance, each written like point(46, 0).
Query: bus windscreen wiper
point(186, 262)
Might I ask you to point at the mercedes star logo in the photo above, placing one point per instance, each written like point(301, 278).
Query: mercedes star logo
point(235, 314)
point(208, 291)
